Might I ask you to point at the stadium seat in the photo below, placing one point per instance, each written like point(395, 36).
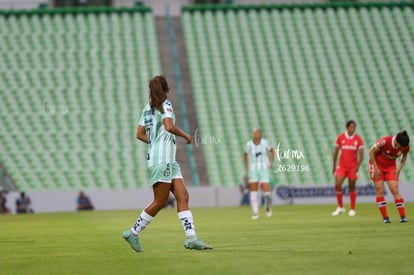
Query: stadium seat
point(299, 73)
point(75, 84)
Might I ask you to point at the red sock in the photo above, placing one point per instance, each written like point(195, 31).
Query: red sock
point(352, 197)
point(382, 206)
point(339, 197)
point(400, 206)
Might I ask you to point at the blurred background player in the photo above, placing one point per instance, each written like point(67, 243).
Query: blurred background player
point(383, 167)
point(3, 201)
point(352, 154)
point(258, 164)
point(84, 202)
point(171, 201)
point(245, 191)
point(23, 204)
point(157, 129)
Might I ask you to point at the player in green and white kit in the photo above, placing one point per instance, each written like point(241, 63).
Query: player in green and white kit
point(157, 129)
point(258, 165)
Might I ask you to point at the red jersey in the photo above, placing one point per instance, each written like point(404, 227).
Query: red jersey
point(388, 154)
point(349, 146)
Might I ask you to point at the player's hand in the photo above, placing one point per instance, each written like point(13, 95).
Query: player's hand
point(188, 138)
point(270, 165)
point(398, 173)
point(377, 174)
point(357, 170)
point(333, 171)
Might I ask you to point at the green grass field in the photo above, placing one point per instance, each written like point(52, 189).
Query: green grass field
point(296, 240)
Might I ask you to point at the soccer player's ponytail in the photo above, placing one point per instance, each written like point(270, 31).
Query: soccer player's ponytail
point(158, 92)
point(403, 139)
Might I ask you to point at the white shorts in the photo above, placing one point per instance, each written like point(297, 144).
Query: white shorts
point(165, 172)
point(260, 176)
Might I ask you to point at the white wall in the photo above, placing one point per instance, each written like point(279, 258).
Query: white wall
point(21, 4)
point(59, 201)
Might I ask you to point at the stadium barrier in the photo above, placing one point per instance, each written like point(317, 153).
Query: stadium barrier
point(78, 10)
point(323, 6)
point(290, 193)
point(201, 196)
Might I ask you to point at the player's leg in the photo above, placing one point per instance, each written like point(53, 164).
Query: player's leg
point(160, 179)
point(161, 191)
point(379, 190)
point(265, 186)
point(184, 213)
point(398, 199)
point(352, 194)
point(254, 187)
point(254, 201)
point(339, 180)
point(381, 203)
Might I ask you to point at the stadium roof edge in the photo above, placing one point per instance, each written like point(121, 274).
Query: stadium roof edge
point(227, 7)
point(79, 10)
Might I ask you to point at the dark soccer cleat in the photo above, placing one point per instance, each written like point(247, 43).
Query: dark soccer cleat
point(387, 220)
point(403, 219)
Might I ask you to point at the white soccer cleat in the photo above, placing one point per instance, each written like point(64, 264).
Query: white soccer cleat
point(255, 216)
point(351, 213)
point(268, 212)
point(338, 211)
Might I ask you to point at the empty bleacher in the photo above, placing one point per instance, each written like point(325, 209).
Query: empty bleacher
point(72, 85)
point(299, 72)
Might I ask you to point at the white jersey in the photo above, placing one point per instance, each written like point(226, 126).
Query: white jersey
point(162, 144)
point(258, 154)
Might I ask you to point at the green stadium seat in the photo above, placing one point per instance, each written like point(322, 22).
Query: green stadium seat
point(299, 74)
point(76, 83)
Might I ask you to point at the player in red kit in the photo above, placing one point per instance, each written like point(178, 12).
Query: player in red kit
point(383, 167)
point(352, 154)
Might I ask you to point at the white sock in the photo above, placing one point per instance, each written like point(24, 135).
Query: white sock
point(254, 202)
point(143, 220)
point(186, 218)
point(267, 198)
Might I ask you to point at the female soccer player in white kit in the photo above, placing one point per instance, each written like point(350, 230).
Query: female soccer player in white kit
point(157, 129)
point(258, 165)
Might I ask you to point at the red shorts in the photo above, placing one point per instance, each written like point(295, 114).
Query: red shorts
point(347, 173)
point(387, 173)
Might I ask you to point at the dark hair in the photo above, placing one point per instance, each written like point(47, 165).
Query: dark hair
point(402, 138)
point(349, 122)
point(158, 92)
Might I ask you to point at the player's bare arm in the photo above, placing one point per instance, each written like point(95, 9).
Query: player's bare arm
point(400, 166)
point(246, 162)
point(170, 127)
point(360, 158)
point(141, 134)
point(272, 157)
point(335, 157)
point(372, 153)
